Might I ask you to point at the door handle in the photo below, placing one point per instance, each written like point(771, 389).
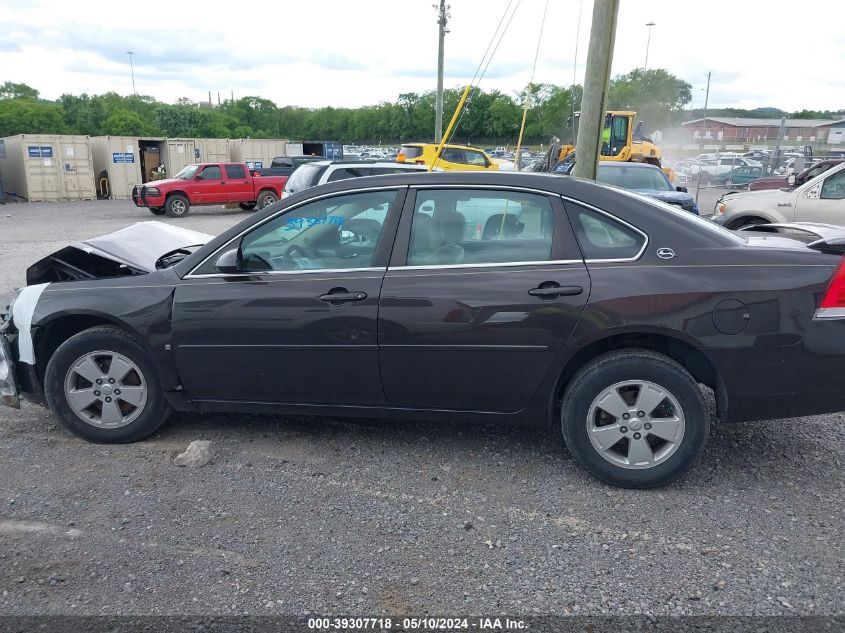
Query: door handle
point(550, 292)
point(343, 297)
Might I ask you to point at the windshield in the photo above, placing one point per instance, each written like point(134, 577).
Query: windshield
point(187, 172)
point(303, 177)
point(637, 178)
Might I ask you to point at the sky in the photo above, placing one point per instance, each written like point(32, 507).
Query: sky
point(347, 54)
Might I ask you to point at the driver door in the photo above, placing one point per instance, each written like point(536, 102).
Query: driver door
point(297, 322)
point(824, 201)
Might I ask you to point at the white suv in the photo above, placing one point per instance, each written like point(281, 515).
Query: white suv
point(821, 199)
point(323, 171)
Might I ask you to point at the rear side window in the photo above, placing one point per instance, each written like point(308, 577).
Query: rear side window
point(348, 172)
point(235, 171)
point(601, 237)
point(304, 177)
point(465, 227)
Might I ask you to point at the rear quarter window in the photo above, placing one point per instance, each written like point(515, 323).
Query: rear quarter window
point(602, 237)
point(411, 151)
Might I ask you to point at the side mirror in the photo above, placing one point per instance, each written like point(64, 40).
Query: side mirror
point(790, 180)
point(682, 189)
point(228, 263)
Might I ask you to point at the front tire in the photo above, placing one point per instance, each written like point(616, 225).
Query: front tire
point(266, 198)
point(177, 206)
point(634, 419)
point(102, 387)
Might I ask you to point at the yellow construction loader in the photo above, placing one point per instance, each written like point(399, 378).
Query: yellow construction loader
point(621, 141)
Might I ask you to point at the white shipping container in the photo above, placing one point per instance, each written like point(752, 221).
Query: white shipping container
point(177, 153)
point(212, 150)
point(257, 152)
point(119, 157)
point(48, 167)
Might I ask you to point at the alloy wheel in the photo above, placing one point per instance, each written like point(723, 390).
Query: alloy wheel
point(635, 424)
point(105, 389)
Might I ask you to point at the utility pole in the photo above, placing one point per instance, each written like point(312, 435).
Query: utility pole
point(647, 44)
point(132, 70)
point(596, 82)
point(442, 20)
point(703, 127)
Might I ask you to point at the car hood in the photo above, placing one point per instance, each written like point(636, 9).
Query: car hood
point(165, 181)
point(137, 249)
point(762, 195)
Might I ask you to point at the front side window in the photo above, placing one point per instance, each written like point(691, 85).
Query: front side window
point(211, 172)
point(339, 232)
point(601, 237)
point(834, 187)
point(459, 227)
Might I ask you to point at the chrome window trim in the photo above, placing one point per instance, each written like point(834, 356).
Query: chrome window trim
point(616, 219)
point(273, 273)
point(544, 192)
point(191, 275)
point(548, 262)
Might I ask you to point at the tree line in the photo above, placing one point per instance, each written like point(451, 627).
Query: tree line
point(657, 96)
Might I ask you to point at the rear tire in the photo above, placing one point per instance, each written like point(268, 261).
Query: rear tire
point(640, 451)
point(265, 199)
point(102, 387)
point(177, 206)
point(247, 206)
point(156, 210)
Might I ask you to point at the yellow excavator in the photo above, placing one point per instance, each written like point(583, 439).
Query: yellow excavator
point(621, 141)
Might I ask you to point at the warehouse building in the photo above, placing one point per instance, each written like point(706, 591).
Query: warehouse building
point(749, 130)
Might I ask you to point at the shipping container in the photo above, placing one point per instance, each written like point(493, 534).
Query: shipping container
point(258, 152)
point(212, 150)
point(177, 153)
point(47, 167)
point(120, 158)
point(333, 150)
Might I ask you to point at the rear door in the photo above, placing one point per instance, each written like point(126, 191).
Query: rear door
point(824, 201)
point(484, 288)
point(237, 184)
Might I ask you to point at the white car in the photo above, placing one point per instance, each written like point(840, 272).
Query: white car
point(323, 171)
point(820, 200)
point(723, 165)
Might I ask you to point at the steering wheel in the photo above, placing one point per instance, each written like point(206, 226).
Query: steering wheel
point(302, 256)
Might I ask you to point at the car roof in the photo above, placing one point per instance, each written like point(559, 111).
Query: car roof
point(364, 163)
point(450, 145)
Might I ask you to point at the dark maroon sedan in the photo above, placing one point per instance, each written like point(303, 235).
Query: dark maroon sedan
point(783, 182)
point(524, 298)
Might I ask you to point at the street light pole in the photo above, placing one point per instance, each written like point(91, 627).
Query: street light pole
point(132, 70)
point(648, 43)
point(703, 127)
point(442, 19)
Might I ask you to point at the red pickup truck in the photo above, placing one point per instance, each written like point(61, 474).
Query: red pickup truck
point(208, 183)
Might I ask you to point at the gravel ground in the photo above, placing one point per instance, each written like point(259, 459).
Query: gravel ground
point(386, 517)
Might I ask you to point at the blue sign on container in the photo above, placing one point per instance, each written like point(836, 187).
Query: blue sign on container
point(43, 151)
point(122, 157)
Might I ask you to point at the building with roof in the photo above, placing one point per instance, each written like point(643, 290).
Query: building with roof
point(748, 130)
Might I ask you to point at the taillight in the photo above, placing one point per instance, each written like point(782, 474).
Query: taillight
point(419, 162)
point(835, 295)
